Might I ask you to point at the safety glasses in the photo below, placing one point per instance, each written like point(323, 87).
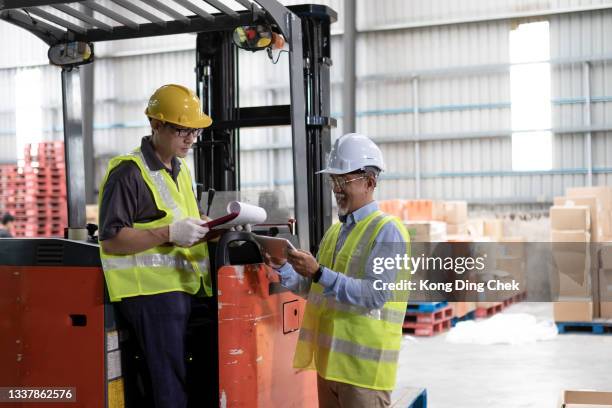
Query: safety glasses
point(341, 182)
point(184, 133)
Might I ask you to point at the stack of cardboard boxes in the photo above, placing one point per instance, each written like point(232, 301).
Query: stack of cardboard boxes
point(605, 281)
point(455, 217)
point(426, 231)
point(580, 217)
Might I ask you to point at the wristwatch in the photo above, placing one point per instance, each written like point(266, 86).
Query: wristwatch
point(317, 275)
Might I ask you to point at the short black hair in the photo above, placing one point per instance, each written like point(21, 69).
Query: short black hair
point(6, 218)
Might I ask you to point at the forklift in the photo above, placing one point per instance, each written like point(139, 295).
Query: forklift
point(57, 326)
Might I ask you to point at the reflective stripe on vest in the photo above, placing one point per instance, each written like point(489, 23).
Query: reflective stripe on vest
point(161, 186)
point(154, 261)
point(359, 256)
point(388, 315)
point(347, 347)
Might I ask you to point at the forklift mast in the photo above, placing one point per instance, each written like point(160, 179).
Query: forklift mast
point(217, 152)
point(306, 29)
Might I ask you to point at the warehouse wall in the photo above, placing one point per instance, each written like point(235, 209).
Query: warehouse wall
point(455, 75)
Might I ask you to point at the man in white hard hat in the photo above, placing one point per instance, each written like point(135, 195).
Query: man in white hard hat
point(351, 332)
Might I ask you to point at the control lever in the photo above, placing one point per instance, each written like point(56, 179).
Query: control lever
point(211, 195)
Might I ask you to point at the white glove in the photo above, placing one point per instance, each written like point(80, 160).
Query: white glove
point(187, 231)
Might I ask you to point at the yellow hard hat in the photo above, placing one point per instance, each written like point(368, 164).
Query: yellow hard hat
point(178, 105)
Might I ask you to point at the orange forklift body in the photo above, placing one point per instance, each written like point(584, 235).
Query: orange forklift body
point(53, 332)
point(259, 324)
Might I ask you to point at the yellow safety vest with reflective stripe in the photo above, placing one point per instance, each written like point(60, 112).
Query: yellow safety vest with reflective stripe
point(348, 343)
point(164, 268)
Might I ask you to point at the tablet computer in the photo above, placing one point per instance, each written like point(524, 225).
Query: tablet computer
point(276, 247)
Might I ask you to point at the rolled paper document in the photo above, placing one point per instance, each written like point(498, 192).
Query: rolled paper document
point(247, 214)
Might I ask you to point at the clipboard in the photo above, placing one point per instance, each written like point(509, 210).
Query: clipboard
point(212, 225)
point(221, 220)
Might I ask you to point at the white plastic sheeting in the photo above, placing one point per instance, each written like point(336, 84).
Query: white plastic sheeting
point(503, 328)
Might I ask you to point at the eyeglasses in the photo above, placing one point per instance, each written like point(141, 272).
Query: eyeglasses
point(184, 132)
point(341, 182)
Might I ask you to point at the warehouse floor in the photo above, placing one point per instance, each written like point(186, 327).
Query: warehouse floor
point(506, 376)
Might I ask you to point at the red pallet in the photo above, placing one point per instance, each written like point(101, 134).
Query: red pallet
point(46, 144)
point(482, 312)
point(43, 172)
point(426, 329)
point(32, 197)
point(37, 216)
point(44, 205)
point(47, 189)
point(440, 315)
point(41, 220)
point(515, 299)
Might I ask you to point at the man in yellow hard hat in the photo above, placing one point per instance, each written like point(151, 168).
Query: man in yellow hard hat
point(150, 238)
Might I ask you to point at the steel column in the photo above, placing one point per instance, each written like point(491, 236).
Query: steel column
point(588, 155)
point(298, 127)
point(416, 130)
point(87, 96)
point(350, 82)
point(73, 145)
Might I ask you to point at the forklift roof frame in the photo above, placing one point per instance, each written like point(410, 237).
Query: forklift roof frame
point(21, 13)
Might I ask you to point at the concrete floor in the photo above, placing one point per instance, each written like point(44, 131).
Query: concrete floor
point(506, 376)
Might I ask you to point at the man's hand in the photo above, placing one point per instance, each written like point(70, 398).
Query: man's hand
point(303, 262)
point(273, 261)
point(187, 231)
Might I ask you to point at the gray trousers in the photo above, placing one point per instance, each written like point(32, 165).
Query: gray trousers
point(333, 394)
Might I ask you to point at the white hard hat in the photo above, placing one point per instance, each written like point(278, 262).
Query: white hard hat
point(352, 152)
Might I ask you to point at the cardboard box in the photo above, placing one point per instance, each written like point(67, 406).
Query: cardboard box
point(512, 264)
point(460, 309)
point(576, 218)
point(393, 207)
point(514, 246)
point(572, 262)
point(455, 212)
point(456, 229)
point(581, 311)
point(605, 256)
point(424, 210)
point(91, 213)
point(605, 310)
point(586, 399)
point(475, 227)
point(605, 293)
point(426, 231)
point(600, 220)
point(604, 226)
point(570, 236)
point(603, 193)
point(494, 228)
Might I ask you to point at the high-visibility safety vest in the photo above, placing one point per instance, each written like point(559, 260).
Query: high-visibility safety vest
point(348, 343)
point(166, 268)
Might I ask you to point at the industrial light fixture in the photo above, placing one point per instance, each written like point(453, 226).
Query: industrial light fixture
point(71, 54)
